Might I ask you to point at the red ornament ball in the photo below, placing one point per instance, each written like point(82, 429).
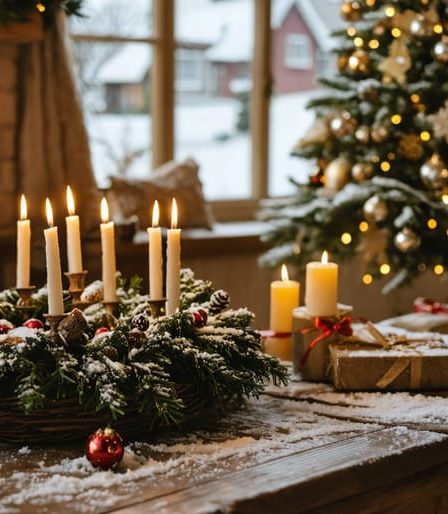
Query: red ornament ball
point(104, 448)
point(5, 326)
point(101, 330)
point(35, 324)
point(200, 317)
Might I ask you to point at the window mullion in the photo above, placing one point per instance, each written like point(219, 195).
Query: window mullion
point(261, 92)
point(162, 82)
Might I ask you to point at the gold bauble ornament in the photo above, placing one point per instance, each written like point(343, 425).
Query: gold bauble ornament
point(342, 62)
point(410, 146)
point(362, 171)
point(379, 133)
point(434, 173)
point(407, 240)
point(421, 27)
point(359, 62)
point(343, 124)
point(337, 174)
point(441, 50)
point(351, 10)
point(375, 209)
point(362, 134)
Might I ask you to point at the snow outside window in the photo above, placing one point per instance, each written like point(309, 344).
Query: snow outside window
point(298, 52)
point(189, 71)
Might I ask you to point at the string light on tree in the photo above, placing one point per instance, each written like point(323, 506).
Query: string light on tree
point(432, 224)
point(367, 279)
point(439, 269)
point(346, 238)
point(385, 269)
point(363, 226)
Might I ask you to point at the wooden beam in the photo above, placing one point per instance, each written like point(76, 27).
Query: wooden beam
point(261, 92)
point(162, 82)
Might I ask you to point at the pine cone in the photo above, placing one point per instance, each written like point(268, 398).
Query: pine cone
point(219, 301)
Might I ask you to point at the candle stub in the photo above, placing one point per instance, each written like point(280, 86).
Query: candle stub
point(74, 254)
point(23, 246)
point(155, 256)
point(173, 263)
point(54, 275)
point(108, 254)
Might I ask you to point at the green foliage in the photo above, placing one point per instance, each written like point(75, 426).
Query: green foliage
point(116, 372)
point(20, 10)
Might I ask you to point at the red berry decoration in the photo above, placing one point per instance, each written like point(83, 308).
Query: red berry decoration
point(5, 326)
point(33, 323)
point(104, 448)
point(200, 317)
point(101, 330)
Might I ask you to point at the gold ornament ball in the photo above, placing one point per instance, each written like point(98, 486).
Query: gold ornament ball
point(407, 240)
point(375, 209)
point(351, 10)
point(362, 134)
point(337, 174)
point(343, 124)
point(421, 27)
point(441, 50)
point(379, 133)
point(410, 146)
point(434, 173)
point(342, 62)
point(362, 171)
point(359, 62)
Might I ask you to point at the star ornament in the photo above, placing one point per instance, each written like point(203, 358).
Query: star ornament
point(439, 122)
point(397, 64)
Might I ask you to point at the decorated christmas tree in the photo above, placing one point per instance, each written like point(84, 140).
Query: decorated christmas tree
point(380, 141)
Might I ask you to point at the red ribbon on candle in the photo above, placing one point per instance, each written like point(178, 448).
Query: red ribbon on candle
point(327, 327)
point(430, 306)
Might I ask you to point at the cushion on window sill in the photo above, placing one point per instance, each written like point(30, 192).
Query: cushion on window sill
point(128, 197)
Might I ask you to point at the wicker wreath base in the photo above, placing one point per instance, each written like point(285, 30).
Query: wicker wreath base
point(65, 420)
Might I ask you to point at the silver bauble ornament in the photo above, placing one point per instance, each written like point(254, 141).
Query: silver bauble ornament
point(441, 50)
point(337, 174)
point(363, 134)
point(379, 133)
point(375, 209)
point(434, 173)
point(362, 171)
point(407, 240)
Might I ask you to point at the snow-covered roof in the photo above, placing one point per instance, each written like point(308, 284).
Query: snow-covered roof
point(129, 65)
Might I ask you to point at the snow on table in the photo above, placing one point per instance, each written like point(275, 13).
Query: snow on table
point(62, 480)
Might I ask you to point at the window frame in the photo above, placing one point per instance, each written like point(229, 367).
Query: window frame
point(164, 46)
point(293, 41)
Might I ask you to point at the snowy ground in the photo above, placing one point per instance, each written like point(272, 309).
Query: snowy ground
point(206, 132)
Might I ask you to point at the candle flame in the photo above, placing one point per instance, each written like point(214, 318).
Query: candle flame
point(155, 214)
point(324, 258)
point(104, 210)
point(23, 208)
point(70, 202)
point(284, 273)
point(174, 214)
point(49, 211)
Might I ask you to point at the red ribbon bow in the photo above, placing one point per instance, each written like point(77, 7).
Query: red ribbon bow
point(326, 326)
point(430, 306)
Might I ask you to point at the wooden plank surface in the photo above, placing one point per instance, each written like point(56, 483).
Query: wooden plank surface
point(308, 479)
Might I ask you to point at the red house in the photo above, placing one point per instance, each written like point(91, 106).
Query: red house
point(218, 44)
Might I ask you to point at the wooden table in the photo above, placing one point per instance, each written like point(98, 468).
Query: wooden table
point(295, 450)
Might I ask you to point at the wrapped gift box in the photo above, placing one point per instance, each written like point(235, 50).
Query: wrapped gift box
point(404, 366)
point(421, 322)
point(316, 367)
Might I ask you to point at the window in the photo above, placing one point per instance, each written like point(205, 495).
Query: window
point(298, 52)
point(225, 82)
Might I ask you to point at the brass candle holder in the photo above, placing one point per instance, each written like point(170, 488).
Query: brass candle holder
point(25, 302)
point(54, 321)
point(157, 307)
point(77, 282)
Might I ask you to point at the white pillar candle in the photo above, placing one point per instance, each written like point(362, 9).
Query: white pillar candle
point(54, 276)
point(173, 264)
point(23, 246)
point(108, 254)
point(321, 294)
point(74, 254)
point(155, 256)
